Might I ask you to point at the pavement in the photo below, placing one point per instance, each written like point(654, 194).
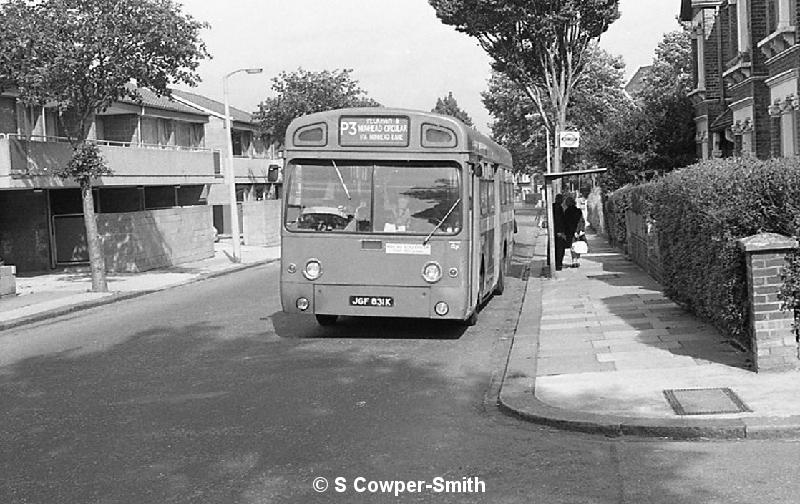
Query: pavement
point(597, 347)
point(46, 295)
point(594, 350)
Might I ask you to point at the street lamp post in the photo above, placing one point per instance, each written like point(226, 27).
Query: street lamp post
point(237, 246)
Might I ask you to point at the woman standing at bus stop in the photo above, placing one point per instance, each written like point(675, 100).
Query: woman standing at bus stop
point(573, 226)
point(559, 231)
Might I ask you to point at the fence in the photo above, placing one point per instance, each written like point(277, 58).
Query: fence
point(642, 241)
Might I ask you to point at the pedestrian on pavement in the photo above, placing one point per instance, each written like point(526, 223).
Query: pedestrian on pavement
point(574, 226)
point(583, 204)
point(558, 231)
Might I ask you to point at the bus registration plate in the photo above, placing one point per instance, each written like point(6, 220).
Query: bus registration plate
point(380, 301)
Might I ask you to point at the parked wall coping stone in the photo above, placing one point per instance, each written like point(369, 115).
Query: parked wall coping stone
point(767, 241)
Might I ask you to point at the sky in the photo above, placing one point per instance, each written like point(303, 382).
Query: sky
point(399, 51)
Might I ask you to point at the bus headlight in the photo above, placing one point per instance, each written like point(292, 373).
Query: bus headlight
point(441, 308)
point(432, 272)
point(302, 304)
point(313, 269)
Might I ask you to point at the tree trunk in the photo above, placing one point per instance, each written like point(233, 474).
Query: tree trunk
point(96, 260)
point(557, 157)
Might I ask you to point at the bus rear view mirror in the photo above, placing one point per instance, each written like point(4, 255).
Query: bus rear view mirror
point(477, 170)
point(273, 173)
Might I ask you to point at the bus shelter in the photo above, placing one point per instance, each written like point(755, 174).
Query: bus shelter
point(549, 178)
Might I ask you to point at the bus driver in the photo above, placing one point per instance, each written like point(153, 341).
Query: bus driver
point(402, 215)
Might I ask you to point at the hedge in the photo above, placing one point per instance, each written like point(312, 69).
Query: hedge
point(700, 212)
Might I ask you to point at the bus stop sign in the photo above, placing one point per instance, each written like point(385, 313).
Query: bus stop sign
point(569, 139)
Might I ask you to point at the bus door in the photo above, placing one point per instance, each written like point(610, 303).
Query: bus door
point(488, 231)
point(476, 239)
point(498, 229)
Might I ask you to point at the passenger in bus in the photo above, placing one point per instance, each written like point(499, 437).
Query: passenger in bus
point(397, 215)
point(402, 215)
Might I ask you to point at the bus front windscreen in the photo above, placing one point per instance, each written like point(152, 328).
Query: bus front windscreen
point(357, 197)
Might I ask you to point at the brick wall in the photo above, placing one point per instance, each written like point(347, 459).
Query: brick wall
point(711, 57)
point(261, 222)
point(139, 241)
point(758, 31)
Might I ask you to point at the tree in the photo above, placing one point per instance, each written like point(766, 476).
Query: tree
point(80, 56)
point(449, 106)
point(305, 92)
point(657, 134)
point(665, 103)
point(514, 127)
point(541, 45)
point(597, 98)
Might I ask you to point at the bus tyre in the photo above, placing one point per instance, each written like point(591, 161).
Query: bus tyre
point(326, 320)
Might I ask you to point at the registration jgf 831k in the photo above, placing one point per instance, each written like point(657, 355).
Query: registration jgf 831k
point(379, 301)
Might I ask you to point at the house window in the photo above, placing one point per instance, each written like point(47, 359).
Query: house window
point(698, 40)
point(781, 14)
point(772, 15)
point(236, 142)
point(743, 27)
point(156, 131)
point(747, 143)
point(788, 147)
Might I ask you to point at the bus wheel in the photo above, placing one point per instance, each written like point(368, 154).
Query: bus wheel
point(326, 320)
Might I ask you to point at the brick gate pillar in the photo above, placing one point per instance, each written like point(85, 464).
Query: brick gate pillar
point(773, 340)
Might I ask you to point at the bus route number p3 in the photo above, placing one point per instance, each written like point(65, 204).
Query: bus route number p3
point(378, 301)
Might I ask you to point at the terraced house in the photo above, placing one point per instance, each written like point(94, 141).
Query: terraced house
point(746, 64)
point(155, 209)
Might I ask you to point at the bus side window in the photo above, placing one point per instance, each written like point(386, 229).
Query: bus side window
point(484, 197)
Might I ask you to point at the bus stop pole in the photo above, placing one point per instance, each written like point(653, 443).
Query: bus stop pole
point(551, 242)
point(551, 228)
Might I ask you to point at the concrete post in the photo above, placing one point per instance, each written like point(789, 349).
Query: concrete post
point(773, 339)
point(8, 281)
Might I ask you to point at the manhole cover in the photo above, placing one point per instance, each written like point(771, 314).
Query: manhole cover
point(709, 401)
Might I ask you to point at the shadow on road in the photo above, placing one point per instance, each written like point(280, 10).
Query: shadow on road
point(291, 326)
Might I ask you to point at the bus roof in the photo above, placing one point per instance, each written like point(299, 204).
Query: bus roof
point(469, 140)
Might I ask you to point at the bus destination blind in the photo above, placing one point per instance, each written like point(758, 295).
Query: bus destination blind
point(373, 131)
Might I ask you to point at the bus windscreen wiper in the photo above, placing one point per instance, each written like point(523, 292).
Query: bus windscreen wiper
point(439, 224)
point(341, 179)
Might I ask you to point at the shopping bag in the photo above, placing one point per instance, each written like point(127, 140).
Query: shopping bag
point(579, 247)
